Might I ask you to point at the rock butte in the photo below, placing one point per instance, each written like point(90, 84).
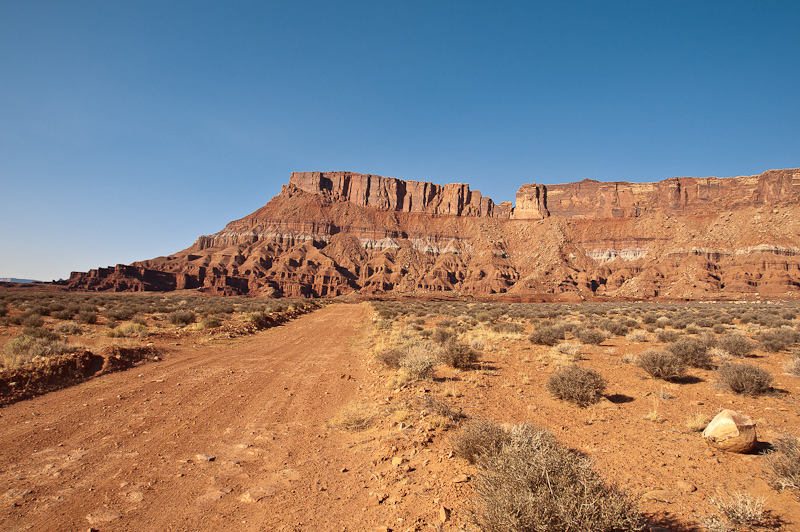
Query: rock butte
point(333, 233)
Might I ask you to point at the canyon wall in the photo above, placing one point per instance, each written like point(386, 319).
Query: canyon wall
point(334, 233)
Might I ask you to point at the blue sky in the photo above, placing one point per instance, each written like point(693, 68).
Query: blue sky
point(127, 129)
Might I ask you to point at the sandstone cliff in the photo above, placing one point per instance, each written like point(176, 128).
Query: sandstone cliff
point(333, 233)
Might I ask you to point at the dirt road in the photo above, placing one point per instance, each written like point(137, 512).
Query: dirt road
point(221, 437)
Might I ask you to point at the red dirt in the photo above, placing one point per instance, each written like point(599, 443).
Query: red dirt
point(125, 451)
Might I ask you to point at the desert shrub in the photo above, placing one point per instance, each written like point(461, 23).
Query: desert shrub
point(582, 386)
point(127, 330)
point(33, 321)
point(387, 314)
point(692, 351)
point(718, 328)
point(417, 363)
point(637, 336)
point(775, 340)
point(457, 355)
point(211, 322)
point(63, 314)
point(353, 417)
point(697, 422)
point(69, 327)
point(441, 335)
point(739, 512)
point(744, 379)
point(86, 317)
point(547, 335)
point(390, 357)
point(533, 483)
point(483, 317)
point(666, 336)
point(692, 328)
point(182, 317)
point(478, 437)
point(784, 462)
point(570, 350)
point(121, 313)
point(792, 365)
point(736, 345)
point(508, 328)
point(23, 349)
point(662, 364)
point(590, 336)
point(441, 408)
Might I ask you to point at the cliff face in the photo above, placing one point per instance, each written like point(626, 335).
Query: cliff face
point(686, 195)
point(332, 233)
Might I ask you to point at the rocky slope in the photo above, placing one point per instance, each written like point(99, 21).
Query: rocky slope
point(333, 233)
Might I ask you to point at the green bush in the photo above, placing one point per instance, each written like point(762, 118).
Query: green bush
point(581, 386)
point(535, 484)
point(745, 379)
point(661, 364)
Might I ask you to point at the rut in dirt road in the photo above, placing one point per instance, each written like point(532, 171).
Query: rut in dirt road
point(225, 437)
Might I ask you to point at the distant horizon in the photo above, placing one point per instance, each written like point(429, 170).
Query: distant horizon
point(128, 129)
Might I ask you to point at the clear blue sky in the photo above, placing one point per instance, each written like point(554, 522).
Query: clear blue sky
point(127, 129)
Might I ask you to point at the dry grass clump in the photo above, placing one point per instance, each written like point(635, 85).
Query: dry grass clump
point(735, 344)
point(478, 437)
point(784, 462)
point(547, 335)
point(127, 330)
point(740, 512)
point(697, 422)
point(390, 357)
point(637, 336)
point(23, 349)
point(775, 340)
point(533, 483)
point(182, 317)
point(666, 336)
point(692, 351)
point(417, 363)
point(745, 379)
point(792, 365)
point(458, 355)
point(581, 386)
point(591, 336)
point(354, 417)
point(662, 364)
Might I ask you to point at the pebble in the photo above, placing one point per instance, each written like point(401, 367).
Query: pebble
point(206, 457)
point(686, 487)
point(460, 478)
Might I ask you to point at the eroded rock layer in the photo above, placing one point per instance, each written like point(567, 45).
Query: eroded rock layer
point(333, 233)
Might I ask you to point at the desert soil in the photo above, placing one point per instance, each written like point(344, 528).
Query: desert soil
point(234, 434)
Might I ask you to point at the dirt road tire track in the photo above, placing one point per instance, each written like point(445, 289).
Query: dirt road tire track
point(125, 451)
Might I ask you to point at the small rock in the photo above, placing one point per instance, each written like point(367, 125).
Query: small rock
point(460, 478)
point(206, 457)
point(444, 514)
point(257, 494)
point(732, 432)
point(103, 515)
point(686, 487)
point(397, 461)
point(605, 404)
